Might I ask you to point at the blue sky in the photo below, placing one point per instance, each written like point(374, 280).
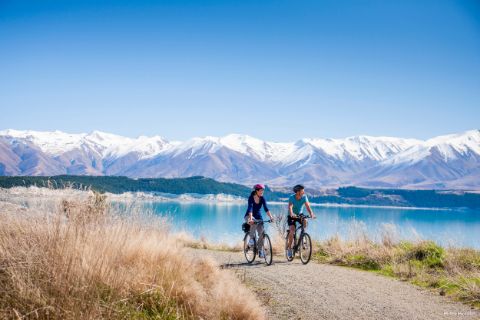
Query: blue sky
point(276, 70)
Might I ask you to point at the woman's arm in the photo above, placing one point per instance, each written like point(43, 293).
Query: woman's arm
point(270, 215)
point(250, 209)
point(266, 209)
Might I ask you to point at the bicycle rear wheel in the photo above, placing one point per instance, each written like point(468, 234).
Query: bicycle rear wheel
point(305, 248)
point(267, 249)
point(286, 247)
point(248, 250)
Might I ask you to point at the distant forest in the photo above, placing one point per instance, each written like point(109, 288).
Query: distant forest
point(203, 185)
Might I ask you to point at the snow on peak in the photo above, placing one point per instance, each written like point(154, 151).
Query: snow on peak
point(105, 144)
point(197, 146)
point(449, 146)
point(362, 147)
point(150, 146)
point(111, 145)
point(245, 144)
point(51, 142)
point(256, 148)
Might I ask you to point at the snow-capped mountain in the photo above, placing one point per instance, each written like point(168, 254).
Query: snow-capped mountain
point(450, 161)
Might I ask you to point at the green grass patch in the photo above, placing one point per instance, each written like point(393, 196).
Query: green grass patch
point(152, 306)
point(387, 270)
point(320, 255)
point(429, 253)
point(362, 261)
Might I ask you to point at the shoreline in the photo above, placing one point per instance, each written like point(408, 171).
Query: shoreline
point(347, 205)
point(221, 199)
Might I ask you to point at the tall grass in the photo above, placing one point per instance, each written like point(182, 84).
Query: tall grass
point(450, 271)
point(79, 258)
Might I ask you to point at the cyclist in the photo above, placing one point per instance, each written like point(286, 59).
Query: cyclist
point(296, 202)
point(255, 203)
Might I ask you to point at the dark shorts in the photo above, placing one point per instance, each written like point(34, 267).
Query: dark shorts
point(292, 221)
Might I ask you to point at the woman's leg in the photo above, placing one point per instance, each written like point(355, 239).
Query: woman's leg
point(252, 229)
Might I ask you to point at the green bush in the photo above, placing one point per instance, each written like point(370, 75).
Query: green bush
point(429, 253)
point(321, 255)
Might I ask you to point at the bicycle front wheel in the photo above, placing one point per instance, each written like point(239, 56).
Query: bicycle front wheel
point(267, 249)
point(305, 248)
point(249, 250)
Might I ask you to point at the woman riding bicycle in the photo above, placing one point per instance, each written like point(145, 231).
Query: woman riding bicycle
point(296, 202)
point(255, 203)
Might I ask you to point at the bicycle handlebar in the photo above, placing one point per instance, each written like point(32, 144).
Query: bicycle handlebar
point(302, 216)
point(261, 221)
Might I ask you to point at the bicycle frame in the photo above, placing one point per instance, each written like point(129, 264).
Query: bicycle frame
point(260, 222)
point(296, 240)
point(262, 236)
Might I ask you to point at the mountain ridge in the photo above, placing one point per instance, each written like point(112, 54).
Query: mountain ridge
point(447, 161)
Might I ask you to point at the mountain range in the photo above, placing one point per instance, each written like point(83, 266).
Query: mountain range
point(444, 162)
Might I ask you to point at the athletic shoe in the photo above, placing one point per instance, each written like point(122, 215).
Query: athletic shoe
point(289, 253)
point(261, 254)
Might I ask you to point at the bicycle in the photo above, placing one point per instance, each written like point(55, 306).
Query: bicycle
point(302, 244)
point(250, 251)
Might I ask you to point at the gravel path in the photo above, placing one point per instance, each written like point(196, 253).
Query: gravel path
point(291, 290)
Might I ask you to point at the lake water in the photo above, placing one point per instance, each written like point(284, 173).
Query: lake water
point(222, 222)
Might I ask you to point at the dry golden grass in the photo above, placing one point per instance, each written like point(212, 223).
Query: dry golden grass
point(450, 271)
point(189, 241)
point(83, 260)
point(279, 232)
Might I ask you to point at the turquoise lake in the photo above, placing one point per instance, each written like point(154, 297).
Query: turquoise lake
point(221, 222)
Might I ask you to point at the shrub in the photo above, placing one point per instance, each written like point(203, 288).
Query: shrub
point(428, 253)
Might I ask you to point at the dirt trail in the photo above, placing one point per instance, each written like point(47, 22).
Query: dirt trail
point(291, 290)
